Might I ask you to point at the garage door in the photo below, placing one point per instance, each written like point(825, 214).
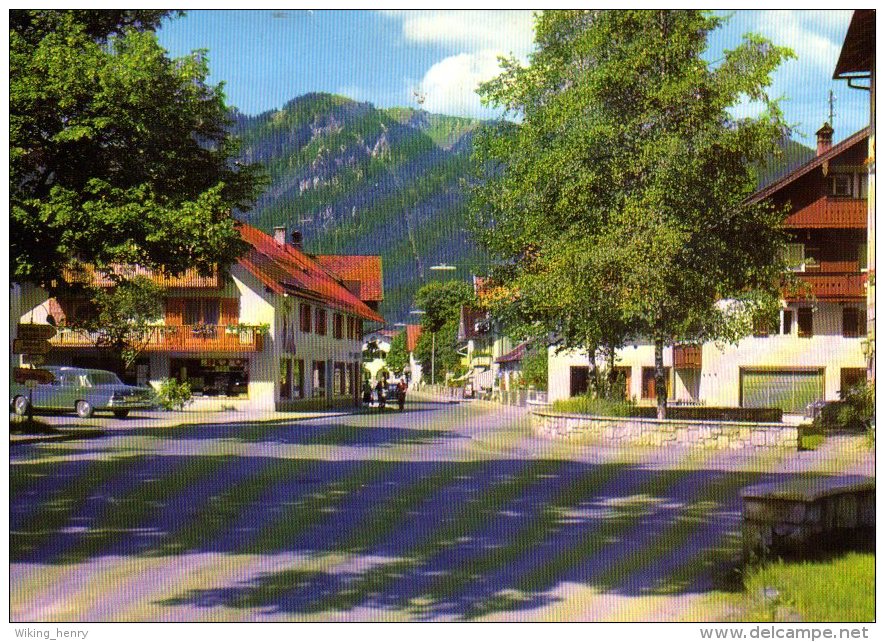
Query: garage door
point(791, 391)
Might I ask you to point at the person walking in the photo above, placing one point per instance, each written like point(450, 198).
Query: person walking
point(367, 393)
point(379, 392)
point(401, 393)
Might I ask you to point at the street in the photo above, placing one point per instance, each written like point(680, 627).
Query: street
point(442, 511)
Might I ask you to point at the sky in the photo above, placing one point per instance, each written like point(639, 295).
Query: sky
point(265, 58)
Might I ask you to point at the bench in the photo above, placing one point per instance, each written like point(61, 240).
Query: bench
point(803, 515)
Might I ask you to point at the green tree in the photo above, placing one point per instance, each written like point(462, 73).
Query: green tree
point(397, 356)
point(124, 314)
point(534, 367)
point(118, 153)
point(441, 302)
point(617, 204)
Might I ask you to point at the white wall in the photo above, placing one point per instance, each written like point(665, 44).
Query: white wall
point(720, 370)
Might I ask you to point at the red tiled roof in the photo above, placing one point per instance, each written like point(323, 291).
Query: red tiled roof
point(817, 161)
point(413, 333)
point(283, 268)
point(363, 271)
point(514, 355)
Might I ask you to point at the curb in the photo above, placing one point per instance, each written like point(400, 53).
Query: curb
point(40, 439)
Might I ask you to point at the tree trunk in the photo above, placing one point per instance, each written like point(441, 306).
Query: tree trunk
point(593, 380)
point(660, 379)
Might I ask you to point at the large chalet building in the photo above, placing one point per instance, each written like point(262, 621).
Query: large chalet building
point(818, 345)
point(280, 329)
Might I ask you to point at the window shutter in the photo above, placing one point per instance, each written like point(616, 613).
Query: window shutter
point(230, 311)
point(174, 311)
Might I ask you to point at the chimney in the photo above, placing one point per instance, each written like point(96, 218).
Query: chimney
point(279, 234)
point(297, 239)
point(824, 138)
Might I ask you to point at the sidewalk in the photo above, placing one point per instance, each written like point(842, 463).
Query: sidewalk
point(68, 427)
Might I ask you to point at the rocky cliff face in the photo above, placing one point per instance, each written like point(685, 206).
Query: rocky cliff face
point(360, 180)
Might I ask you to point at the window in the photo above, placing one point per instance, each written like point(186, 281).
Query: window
point(285, 378)
point(305, 317)
point(794, 255)
point(340, 378)
point(359, 329)
point(298, 379)
point(213, 377)
point(202, 311)
point(804, 318)
point(788, 322)
point(841, 184)
point(648, 382)
point(320, 321)
point(847, 184)
point(850, 377)
point(338, 326)
point(319, 378)
point(853, 323)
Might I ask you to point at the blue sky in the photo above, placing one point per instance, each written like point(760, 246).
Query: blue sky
point(267, 57)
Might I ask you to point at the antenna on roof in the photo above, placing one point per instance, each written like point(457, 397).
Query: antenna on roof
point(832, 101)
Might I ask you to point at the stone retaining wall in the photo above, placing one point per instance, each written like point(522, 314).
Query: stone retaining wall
point(621, 431)
point(803, 516)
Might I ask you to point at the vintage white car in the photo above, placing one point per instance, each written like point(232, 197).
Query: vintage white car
point(84, 391)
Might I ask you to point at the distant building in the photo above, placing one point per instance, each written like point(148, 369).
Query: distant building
point(481, 342)
point(377, 342)
point(278, 330)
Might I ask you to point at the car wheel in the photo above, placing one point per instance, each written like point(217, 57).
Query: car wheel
point(84, 409)
point(121, 414)
point(20, 405)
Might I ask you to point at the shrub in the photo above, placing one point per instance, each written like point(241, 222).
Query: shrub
point(172, 395)
point(853, 412)
point(596, 406)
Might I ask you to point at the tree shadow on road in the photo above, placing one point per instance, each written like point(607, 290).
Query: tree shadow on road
point(428, 539)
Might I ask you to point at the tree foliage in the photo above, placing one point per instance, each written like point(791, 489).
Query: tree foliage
point(441, 302)
point(123, 317)
point(118, 153)
point(617, 206)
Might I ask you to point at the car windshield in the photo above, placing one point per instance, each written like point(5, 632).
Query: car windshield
point(103, 378)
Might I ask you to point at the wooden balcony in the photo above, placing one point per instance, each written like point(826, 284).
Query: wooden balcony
point(190, 278)
point(830, 287)
point(687, 356)
point(830, 212)
point(183, 338)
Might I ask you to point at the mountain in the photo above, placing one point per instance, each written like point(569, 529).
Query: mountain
point(356, 179)
point(792, 155)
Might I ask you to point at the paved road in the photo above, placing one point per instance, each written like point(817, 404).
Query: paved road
point(439, 512)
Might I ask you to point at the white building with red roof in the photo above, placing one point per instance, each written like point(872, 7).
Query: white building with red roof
point(279, 329)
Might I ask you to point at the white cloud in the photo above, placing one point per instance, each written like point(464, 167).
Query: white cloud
point(809, 34)
point(477, 38)
point(449, 86)
point(471, 31)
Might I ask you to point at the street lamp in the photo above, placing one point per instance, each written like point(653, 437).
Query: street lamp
point(432, 346)
point(443, 267)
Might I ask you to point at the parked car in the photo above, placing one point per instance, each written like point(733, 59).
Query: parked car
point(84, 391)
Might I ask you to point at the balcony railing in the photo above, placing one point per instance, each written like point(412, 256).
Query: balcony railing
point(190, 278)
point(831, 212)
point(830, 286)
point(175, 338)
point(687, 356)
